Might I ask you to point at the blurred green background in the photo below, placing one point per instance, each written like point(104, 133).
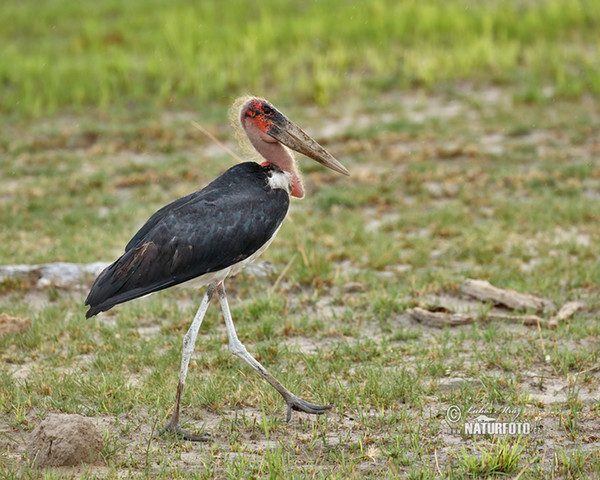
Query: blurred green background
point(60, 55)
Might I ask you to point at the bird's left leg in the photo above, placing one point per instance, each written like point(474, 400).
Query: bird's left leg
point(188, 348)
point(238, 349)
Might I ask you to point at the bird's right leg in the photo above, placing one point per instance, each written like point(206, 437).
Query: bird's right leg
point(238, 349)
point(189, 341)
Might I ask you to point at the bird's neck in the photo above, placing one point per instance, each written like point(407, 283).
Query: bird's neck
point(277, 154)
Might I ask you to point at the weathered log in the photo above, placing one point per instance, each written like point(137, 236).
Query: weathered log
point(439, 319)
point(566, 311)
point(484, 291)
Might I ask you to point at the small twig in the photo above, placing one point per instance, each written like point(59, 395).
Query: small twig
point(539, 327)
point(150, 440)
point(437, 465)
point(529, 320)
point(526, 467)
point(283, 272)
point(303, 253)
point(543, 456)
point(591, 369)
point(216, 140)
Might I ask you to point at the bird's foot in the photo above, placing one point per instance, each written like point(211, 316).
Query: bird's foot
point(184, 434)
point(296, 403)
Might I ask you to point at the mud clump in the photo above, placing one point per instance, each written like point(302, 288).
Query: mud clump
point(12, 325)
point(65, 440)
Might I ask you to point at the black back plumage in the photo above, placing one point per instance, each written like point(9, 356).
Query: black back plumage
point(204, 232)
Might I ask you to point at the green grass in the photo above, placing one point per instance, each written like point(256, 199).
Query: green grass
point(503, 458)
point(60, 54)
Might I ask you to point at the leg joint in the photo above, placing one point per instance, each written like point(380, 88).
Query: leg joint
point(237, 348)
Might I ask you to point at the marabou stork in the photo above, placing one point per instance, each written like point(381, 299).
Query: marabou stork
point(213, 233)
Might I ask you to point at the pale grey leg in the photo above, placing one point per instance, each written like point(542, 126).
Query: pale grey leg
point(189, 341)
point(236, 347)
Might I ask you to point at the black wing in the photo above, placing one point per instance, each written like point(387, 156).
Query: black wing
point(204, 232)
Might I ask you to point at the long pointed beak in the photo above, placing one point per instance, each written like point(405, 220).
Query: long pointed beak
point(292, 136)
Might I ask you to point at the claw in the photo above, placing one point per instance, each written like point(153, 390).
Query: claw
point(295, 403)
point(180, 432)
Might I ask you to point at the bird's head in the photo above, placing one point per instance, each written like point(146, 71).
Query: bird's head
point(265, 125)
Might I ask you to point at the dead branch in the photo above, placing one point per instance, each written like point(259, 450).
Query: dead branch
point(484, 291)
point(439, 319)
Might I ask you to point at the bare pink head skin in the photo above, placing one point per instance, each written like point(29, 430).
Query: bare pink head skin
point(270, 132)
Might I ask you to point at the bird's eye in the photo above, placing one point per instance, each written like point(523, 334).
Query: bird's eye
point(268, 110)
